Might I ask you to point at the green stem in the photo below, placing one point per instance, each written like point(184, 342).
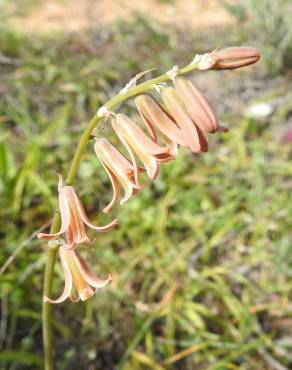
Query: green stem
point(47, 307)
point(52, 251)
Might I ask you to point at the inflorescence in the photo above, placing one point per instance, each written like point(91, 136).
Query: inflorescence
point(183, 118)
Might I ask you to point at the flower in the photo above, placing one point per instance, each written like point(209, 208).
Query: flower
point(188, 116)
point(118, 168)
point(135, 140)
point(196, 105)
point(155, 118)
point(191, 133)
point(74, 218)
point(229, 58)
point(78, 275)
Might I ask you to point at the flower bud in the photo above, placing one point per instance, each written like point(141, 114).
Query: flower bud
point(192, 134)
point(196, 105)
point(230, 58)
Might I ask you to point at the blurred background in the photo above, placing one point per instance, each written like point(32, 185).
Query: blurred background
point(202, 260)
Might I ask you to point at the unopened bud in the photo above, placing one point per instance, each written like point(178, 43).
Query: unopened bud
point(231, 58)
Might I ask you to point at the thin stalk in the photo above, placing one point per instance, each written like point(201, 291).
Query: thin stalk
point(52, 250)
point(47, 307)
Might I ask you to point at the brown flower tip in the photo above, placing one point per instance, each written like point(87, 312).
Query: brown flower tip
point(230, 58)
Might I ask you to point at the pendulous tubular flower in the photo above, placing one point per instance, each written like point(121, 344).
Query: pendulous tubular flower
point(136, 141)
point(118, 168)
point(191, 133)
point(196, 105)
point(229, 58)
point(74, 218)
point(78, 275)
point(156, 118)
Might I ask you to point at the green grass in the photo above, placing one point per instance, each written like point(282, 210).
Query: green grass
point(202, 259)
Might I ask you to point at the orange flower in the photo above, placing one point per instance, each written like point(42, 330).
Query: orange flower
point(118, 168)
point(135, 140)
point(74, 218)
point(191, 133)
point(156, 117)
point(196, 105)
point(77, 275)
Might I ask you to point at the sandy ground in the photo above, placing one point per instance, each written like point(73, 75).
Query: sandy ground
point(74, 15)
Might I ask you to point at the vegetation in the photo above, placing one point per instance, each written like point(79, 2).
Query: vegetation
point(202, 261)
point(269, 22)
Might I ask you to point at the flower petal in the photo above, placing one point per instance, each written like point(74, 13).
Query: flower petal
point(133, 137)
point(196, 105)
point(154, 115)
point(86, 220)
point(76, 226)
point(88, 276)
point(129, 150)
point(116, 188)
point(67, 278)
point(65, 218)
point(118, 165)
point(83, 289)
point(192, 134)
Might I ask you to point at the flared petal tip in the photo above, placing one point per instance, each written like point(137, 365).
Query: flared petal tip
point(104, 283)
point(58, 300)
point(109, 208)
point(110, 226)
point(88, 292)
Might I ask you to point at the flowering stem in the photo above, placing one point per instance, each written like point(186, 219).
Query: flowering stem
point(52, 250)
point(145, 86)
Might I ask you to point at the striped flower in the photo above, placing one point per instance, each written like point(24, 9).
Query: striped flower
point(119, 169)
point(74, 218)
point(137, 142)
point(77, 275)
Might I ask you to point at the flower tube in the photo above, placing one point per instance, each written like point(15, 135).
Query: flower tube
point(77, 275)
point(196, 105)
point(156, 118)
point(118, 168)
point(136, 141)
point(74, 218)
point(192, 134)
